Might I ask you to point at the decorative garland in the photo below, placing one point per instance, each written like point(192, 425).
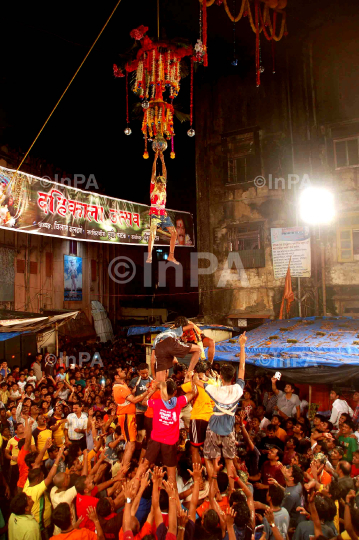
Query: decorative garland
point(264, 17)
point(239, 16)
point(204, 32)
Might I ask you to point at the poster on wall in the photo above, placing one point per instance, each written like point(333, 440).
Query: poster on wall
point(39, 206)
point(72, 278)
point(291, 243)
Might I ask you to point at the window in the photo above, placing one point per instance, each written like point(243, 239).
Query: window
point(346, 152)
point(247, 239)
point(20, 266)
point(348, 237)
point(241, 156)
point(33, 267)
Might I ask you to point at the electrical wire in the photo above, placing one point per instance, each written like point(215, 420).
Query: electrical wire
point(68, 86)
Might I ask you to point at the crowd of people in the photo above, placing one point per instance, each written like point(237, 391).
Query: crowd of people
point(118, 449)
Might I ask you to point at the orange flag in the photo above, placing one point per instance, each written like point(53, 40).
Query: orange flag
point(288, 293)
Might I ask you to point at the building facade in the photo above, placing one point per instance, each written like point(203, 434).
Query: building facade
point(303, 121)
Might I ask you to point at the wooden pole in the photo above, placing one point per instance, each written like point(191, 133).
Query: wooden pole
point(56, 340)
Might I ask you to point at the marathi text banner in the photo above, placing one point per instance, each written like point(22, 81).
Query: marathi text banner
point(38, 206)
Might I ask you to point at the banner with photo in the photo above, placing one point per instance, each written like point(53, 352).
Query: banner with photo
point(39, 206)
point(72, 278)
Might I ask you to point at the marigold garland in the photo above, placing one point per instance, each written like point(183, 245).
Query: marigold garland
point(239, 16)
point(264, 18)
point(272, 28)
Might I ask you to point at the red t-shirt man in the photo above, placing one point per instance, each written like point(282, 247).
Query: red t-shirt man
point(82, 503)
point(165, 430)
point(165, 427)
point(23, 468)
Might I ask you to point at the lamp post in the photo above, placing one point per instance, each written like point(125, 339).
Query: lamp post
point(316, 206)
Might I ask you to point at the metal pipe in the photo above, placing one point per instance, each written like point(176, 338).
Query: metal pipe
point(289, 105)
point(322, 252)
point(314, 106)
point(56, 339)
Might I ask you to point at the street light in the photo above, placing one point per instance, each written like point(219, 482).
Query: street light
point(316, 207)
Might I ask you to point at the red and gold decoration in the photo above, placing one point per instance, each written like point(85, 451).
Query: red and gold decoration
point(263, 17)
point(157, 76)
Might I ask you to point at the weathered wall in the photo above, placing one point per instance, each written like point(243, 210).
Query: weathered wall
point(296, 113)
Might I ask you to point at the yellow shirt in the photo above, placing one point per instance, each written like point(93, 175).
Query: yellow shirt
point(41, 509)
point(42, 437)
point(12, 447)
point(4, 396)
point(59, 434)
point(90, 456)
point(202, 407)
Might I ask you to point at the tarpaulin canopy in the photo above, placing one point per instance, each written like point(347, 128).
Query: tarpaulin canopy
point(139, 330)
point(33, 324)
point(306, 349)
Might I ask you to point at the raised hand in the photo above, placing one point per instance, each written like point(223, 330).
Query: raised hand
point(182, 518)
point(157, 474)
point(130, 489)
point(145, 480)
point(169, 487)
point(242, 339)
point(302, 511)
point(48, 443)
point(350, 496)
point(268, 514)
point(230, 515)
point(91, 513)
point(78, 522)
point(197, 472)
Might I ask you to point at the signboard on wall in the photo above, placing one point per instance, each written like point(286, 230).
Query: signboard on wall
point(291, 243)
point(72, 278)
point(39, 206)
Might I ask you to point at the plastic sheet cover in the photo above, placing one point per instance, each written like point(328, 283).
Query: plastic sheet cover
point(139, 330)
point(312, 342)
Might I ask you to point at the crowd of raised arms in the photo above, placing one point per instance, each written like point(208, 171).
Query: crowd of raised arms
point(118, 449)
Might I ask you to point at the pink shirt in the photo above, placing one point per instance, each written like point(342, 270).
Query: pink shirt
point(165, 427)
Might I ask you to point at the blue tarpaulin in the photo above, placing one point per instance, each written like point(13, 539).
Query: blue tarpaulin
point(139, 330)
point(298, 343)
point(9, 335)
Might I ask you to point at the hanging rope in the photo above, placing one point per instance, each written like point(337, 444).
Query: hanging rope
point(127, 115)
point(68, 86)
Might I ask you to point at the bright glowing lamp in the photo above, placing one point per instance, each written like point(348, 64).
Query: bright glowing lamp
point(316, 206)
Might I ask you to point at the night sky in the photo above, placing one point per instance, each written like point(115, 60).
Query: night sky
point(43, 44)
